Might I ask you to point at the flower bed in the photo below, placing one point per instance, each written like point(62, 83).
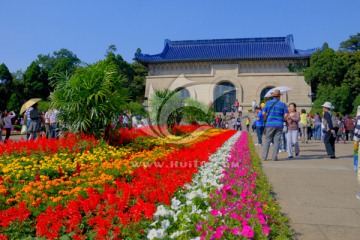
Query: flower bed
point(228, 199)
point(99, 189)
point(116, 193)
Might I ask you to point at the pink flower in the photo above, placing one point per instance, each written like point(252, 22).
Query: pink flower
point(214, 212)
point(227, 187)
point(223, 211)
point(266, 230)
point(218, 234)
point(247, 232)
point(261, 219)
point(236, 231)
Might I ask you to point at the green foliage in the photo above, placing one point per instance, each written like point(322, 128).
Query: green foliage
point(326, 67)
point(62, 61)
point(352, 75)
point(6, 82)
point(335, 77)
point(325, 46)
point(339, 96)
point(90, 99)
point(323, 95)
point(356, 104)
point(44, 105)
point(195, 111)
point(14, 102)
point(131, 76)
point(342, 99)
point(298, 67)
point(165, 107)
point(352, 44)
point(135, 108)
point(36, 83)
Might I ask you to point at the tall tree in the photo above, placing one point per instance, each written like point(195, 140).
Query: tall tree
point(6, 81)
point(352, 44)
point(352, 75)
point(36, 82)
point(131, 76)
point(326, 67)
point(60, 62)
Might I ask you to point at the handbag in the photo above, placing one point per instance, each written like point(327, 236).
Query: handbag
point(23, 129)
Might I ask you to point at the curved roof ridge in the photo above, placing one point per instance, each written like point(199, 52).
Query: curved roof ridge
point(227, 49)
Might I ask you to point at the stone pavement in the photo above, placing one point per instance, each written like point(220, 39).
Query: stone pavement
point(317, 194)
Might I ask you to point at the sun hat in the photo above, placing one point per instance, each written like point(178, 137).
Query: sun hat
point(276, 93)
point(328, 105)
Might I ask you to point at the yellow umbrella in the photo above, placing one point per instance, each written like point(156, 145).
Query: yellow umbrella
point(28, 104)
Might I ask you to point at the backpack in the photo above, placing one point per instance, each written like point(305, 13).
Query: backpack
point(34, 114)
point(335, 123)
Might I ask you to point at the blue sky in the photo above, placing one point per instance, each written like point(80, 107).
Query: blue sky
point(88, 27)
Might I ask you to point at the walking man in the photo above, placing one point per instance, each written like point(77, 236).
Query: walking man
point(274, 112)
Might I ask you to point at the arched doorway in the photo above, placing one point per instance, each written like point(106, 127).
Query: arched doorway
point(184, 93)
point(263, 92)
point(224, 96)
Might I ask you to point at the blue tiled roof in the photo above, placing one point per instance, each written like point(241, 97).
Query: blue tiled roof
point(227, 49)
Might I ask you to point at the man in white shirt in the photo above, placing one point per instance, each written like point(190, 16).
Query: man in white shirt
point(253, 105)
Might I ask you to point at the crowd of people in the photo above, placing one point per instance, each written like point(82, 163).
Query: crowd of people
point(130, 120)
point(35, 123)
point(284, 126)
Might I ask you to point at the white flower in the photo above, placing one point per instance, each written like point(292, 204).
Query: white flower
point(175, 203)
point(152, 234)
point(190, 195)
point(165, 224)
point(161, 212)
point(193, 210)
point(176, 234)
point(161, 233)
point(207, 178)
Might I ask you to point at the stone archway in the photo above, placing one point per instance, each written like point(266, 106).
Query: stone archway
point(224, 96)
point(184, 93)
point(263, 92)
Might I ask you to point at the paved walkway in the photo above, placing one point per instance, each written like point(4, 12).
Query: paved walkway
point(317, 194)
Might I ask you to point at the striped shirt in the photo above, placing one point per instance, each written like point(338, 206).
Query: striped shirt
point(357, 129)
point(275, 117)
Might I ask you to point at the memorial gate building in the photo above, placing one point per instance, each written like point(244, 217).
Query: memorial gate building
point(219, 71)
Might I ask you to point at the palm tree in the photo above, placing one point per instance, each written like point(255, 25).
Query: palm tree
point(89, 100)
